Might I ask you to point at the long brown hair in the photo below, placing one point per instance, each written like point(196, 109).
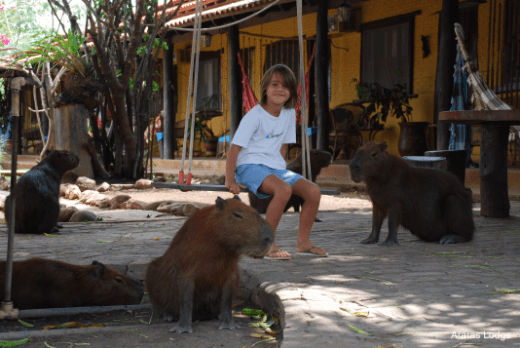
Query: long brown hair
point(289, 81)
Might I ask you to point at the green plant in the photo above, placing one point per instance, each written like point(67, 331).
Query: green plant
point(383, 102)
point(200, 128)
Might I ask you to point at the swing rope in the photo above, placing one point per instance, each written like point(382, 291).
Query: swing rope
point(195, 55)
point(306, 159)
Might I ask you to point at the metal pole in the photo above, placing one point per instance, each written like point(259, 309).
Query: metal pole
point(7, 310)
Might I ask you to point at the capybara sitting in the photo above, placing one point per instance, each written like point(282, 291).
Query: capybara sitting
point(431, 203)
point(198, 274)
point(319, 160)
point(41, 283)
point(37, 193)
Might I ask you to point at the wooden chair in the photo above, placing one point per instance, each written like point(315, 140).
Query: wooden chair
point(344, 130)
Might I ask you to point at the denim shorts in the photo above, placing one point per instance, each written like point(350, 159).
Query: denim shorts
point(252, 176)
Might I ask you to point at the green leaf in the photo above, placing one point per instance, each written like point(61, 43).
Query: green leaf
point(13, 343)
point(359, 330)
point(25, 323)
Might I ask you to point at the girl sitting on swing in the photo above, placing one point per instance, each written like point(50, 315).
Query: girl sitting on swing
point(255, 159)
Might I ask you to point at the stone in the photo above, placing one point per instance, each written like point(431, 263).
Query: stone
point(82, 216)
point(72, 192)
point(160, 179)
point(143, 184)
point(63, 189)
point(85, 183)
point(94, 199)
point(170, 208)
point(155, 205)
point(188, 209)
point(104, 187)
point(116, 202)
point(133, 204)
point(86, 195)
point(2, 202)
point(66, 213)
point(104, 203)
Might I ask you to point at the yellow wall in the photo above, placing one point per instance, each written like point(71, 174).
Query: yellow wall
point(346, 56)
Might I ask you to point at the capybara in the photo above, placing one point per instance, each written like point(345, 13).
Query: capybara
point(198, 274)
point(41, 283)
point(430, 203)
point(37, 193)
point(319, 160)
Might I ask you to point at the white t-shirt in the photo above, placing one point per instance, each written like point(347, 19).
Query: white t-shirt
point(261, 136)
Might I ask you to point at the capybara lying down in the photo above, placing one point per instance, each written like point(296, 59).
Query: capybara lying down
point(198, 276)
point(37, 193)
point(319, 160)
point(41, 283)
point(430, 203)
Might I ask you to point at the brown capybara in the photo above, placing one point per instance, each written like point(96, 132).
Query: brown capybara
point(430, 203)
point(319, 160)
point(37, 193)
point(41, 283)
point(198, 276)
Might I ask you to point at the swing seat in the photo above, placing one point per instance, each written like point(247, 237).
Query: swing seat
point(220, 188)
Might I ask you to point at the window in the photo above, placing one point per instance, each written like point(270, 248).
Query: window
point(283, 52)
point(387, 51)
point(208, 89)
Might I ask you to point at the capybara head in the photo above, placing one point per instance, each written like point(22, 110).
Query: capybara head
point(369, 160)
point(109, 287)
point(61, 160)
point(241, 228)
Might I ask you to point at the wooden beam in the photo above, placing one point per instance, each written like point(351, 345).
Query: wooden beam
point(321, 64)
point(235, 81)
point(445, 62)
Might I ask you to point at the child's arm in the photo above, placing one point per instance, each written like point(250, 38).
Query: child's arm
point(283, 151)
point(231, 163)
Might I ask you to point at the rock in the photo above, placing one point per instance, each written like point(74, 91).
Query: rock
point(133, 204)
point(128, 186)
point(5, 185)
point(170, 208)
point(2, 202)
point(104, 187)
point(220, 180)
point(155, 205)
point(116, 202)
point(66, 213)
point(94, 199)
point(63, 189)
point(85, 183)
point(86, 195)
point(143, 184)
point(205, 181)
point(116, 187)
point(72, 192)
point(160, 179)
point(189, 209)
point(83, 215)
point(104, 203)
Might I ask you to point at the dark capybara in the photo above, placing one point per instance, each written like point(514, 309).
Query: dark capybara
point(37, 193)
point(319, 160)
point(198, 276)
point(41, 283)
point(430, 203)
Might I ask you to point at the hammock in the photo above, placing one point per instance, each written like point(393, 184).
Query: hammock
point(250, 99)
point(482, 92)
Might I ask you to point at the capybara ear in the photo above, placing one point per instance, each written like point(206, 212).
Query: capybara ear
point(221, 204)
point(236, 197)
point(100, 269)
point(48, 152)
point(383, 146)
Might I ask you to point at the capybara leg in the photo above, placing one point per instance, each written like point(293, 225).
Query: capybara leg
point(392, 230)
point(226, 318)
point(452, 238)
point(186, 308)
point(59, 226)
point(55, 229)
point(377, 222)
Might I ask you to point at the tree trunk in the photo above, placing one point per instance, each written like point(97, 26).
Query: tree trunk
point(71, 134)
point(235, 82)
point(321, 71)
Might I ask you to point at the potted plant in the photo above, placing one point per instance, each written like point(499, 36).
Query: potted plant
point(384, 102)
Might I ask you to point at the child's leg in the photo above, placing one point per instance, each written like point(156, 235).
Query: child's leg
point(281, 191)
point(311, 194)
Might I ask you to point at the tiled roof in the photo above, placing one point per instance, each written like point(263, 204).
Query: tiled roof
point(213, 9)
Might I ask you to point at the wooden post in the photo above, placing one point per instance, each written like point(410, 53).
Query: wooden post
point(170, 102)
point(71, 134)
point(235, 82)
point(321, 64)
point(445, 67)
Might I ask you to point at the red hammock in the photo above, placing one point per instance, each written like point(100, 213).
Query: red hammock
point(250, 99)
